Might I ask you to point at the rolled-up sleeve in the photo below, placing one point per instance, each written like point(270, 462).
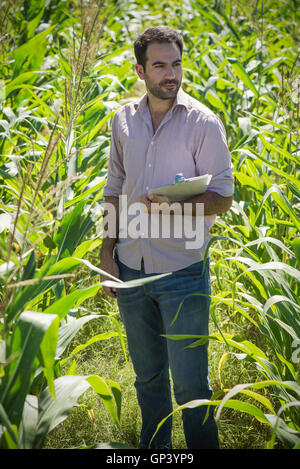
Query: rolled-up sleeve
point(115, 174)
point(213, 157)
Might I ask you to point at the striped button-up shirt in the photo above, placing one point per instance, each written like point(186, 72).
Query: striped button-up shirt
point(190, 140)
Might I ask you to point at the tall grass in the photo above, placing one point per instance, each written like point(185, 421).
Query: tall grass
point(66, 67)
point(53, 149)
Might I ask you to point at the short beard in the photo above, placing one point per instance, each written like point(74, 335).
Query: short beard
point(158, 92)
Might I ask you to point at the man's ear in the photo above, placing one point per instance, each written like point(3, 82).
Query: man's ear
point(140, 71)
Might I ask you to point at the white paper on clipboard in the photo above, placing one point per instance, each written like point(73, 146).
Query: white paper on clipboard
point(184, 189)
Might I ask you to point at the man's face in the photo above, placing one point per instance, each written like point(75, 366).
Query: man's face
point(163, 71)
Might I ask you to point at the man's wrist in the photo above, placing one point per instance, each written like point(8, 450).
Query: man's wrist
point(106, 253)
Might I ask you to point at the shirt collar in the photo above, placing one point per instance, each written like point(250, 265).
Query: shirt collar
point(182, 99)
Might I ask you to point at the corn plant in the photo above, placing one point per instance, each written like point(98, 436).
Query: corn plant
point(53, 149)
point(66, 67)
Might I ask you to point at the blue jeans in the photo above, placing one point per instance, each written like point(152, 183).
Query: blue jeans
point(147, 312)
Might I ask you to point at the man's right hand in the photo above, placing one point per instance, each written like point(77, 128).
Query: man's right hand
point(109, 265)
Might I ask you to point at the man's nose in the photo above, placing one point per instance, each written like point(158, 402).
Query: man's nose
point(170, 72)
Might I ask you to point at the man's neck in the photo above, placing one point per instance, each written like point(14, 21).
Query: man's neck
point(159, 107)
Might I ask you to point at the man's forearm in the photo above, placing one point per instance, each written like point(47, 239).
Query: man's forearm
point(110, 226)
point(107, 248)
point(214, 204)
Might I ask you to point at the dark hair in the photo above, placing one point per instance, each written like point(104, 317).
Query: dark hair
point(156, 34)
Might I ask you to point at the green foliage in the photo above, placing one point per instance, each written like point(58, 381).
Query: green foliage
point(54, 146)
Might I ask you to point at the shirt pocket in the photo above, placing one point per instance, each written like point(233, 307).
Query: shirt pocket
point(173, 157)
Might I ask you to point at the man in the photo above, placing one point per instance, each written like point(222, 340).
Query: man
point(165, 133)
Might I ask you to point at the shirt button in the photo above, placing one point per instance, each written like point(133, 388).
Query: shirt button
point(150, 165)
point(147, 187)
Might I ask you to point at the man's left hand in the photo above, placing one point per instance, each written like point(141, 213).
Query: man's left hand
point(152, 202)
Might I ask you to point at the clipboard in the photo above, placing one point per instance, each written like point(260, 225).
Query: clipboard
point(182, 188)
